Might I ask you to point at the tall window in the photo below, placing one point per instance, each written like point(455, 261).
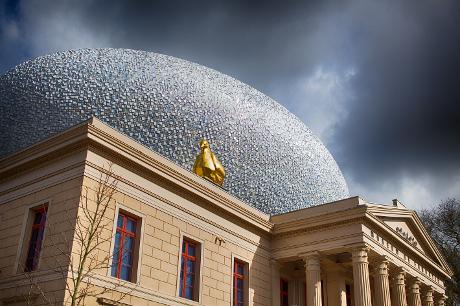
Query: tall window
point(239, 283)
point(284, 293)
point(36, 239)
point(123, 253)
point(189, 270)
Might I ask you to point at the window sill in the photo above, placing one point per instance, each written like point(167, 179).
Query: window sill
point(187, 301)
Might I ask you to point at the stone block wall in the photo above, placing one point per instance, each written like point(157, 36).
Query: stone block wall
point(160, 257)
point(16, 286)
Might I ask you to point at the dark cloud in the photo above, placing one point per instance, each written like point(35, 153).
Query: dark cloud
point(12, 50)
point(377, 80)
point(406, 113)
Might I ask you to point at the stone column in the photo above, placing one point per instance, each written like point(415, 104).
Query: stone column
point(413, 297)
point(275, 272)
point(362, 288)
point(313, 279)
point(381, 284)
point(399, 289)
point(441, 300)
point(336, 287)
point(427, 298)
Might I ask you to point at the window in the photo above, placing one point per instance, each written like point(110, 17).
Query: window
point(240, 283)
point(125, 243)
point(36, 239)
point(189, 270)
point(284, 293)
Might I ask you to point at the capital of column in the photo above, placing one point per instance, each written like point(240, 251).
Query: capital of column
point(427, 292)
point(399, 277)
point(414, 287)
point(312, 261)
point(441, 300)
point(360, 254)
point(381, 266)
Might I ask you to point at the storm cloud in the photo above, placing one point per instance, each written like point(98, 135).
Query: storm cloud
point(377, 81)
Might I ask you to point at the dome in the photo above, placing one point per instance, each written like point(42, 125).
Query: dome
point(272, 160)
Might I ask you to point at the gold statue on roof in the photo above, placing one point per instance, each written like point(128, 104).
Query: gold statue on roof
point(208, 166)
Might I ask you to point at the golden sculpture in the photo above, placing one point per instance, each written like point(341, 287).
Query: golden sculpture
point(208, 166)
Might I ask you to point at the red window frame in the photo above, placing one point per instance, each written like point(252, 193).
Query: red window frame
point(237, 276)
point(124, 232)
point(35, 242)
point(284, 294)
point(186, 258)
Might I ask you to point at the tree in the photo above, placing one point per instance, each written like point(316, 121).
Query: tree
point(443, 224)
point(91, 225)
point(83, 254)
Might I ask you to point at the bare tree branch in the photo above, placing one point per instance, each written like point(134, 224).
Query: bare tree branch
point(443, 224)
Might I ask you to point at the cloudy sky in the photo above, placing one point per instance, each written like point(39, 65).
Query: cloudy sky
point(377, 81)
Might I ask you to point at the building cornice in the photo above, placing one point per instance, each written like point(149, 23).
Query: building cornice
point(42, 152)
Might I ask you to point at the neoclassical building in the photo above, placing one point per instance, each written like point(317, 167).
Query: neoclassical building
point(348, 252)
point(259, 214)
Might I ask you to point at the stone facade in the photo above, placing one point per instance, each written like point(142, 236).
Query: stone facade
point(348, 252)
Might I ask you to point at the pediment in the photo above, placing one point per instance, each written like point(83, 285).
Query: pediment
point(407, 225)
point(413, 234)
point(403, 229)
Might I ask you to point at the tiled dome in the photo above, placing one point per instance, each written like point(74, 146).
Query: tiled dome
point(272, 160)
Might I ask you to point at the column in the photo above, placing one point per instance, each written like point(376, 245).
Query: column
point(336, 290)
point(427, 298)
point(313, 278)
point(441, 300)
point(362, 288)
point(381, 284)
point(413, 297)
point(399, 289)
point(275, 272)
